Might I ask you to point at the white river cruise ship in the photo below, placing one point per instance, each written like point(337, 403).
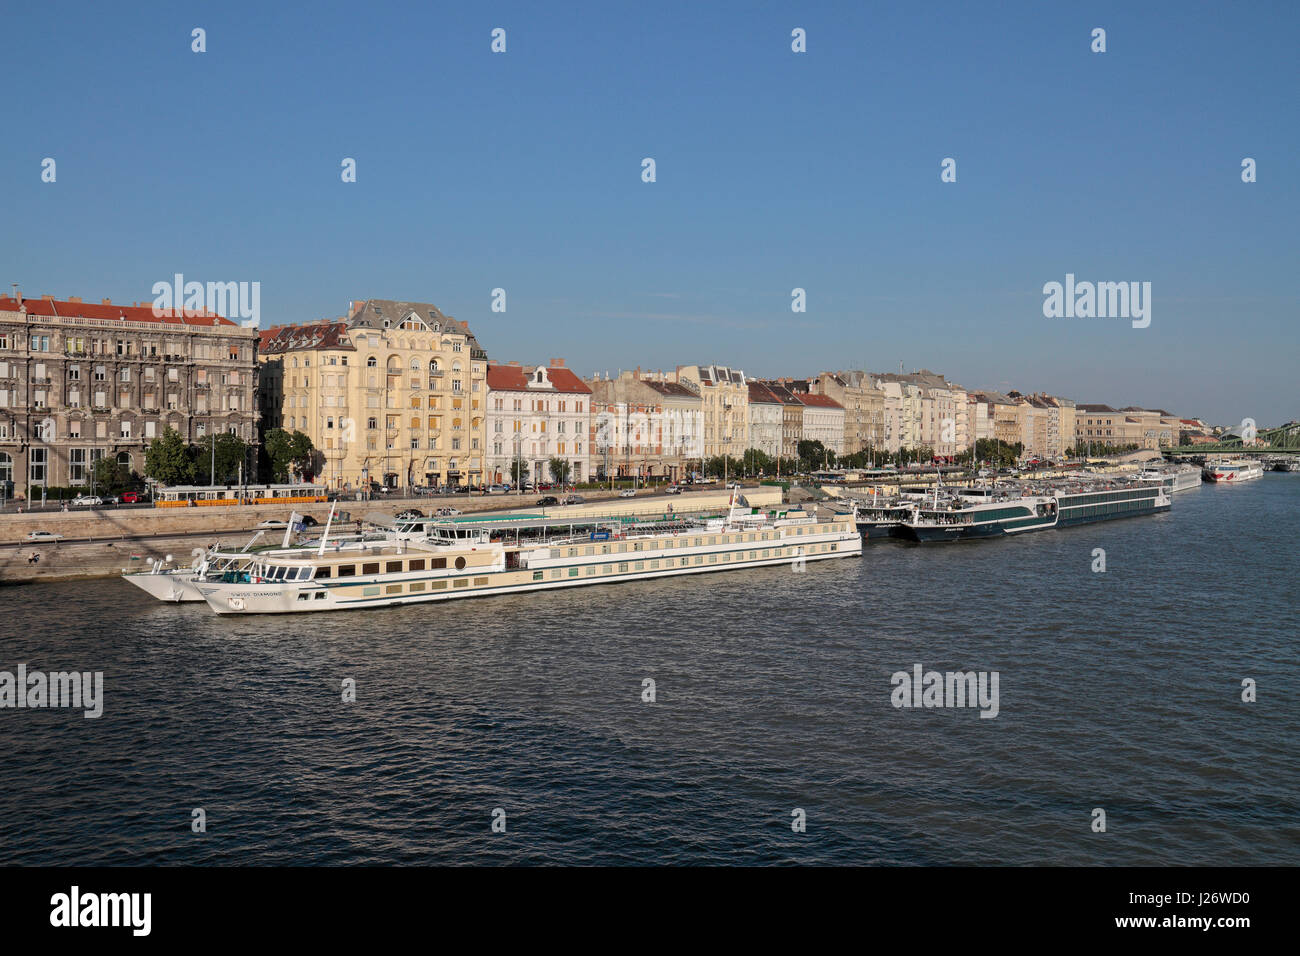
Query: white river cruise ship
point(479, 557)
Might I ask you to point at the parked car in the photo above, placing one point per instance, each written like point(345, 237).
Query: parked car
point(44, 536)
point(547, 501)
point(273, 524)
point(87, 501)
point(733, 485)
point(447, 512)
point(132, 498)
point(673, 490)
point(573, 500)
point(409, 514)
point(627, 493)
point(498, 489)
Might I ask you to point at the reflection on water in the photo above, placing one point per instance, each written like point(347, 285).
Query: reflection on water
point(1118, 690)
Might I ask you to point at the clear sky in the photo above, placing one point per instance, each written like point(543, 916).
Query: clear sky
point(775, 170)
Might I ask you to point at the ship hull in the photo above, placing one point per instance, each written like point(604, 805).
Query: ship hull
point(240, 598)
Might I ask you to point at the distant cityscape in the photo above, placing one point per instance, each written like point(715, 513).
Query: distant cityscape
point(401, 394)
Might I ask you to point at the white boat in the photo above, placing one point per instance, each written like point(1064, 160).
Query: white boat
point(1234, 470)
point(1173, 477)
point(179, 584)
point(478, 557)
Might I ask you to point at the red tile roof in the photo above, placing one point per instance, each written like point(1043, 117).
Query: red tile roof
point(295, 338)
point(514, 378)
point(132, 313)
point(818, 401)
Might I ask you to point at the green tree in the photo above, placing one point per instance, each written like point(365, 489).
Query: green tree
point(277, 446)
point(231, 454)
point(560, 470)
point(303, 454)
point(167, 459)
point(518, 472)
point(110, 476)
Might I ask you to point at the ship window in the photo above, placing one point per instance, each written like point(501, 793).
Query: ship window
point(685, 561)
point(416, 564)
point(437, 585)
point(606, 568)
point(370, 592)
point(417, 585)
point(573, 572)
point(479, 582)
point(393, 567)
point(555, 574)
point(591, 569)
point(622, 567)
point(323, 572)
point(318, 596)
point(640, 565)
point(460, 564)
point(372, 568)
point(461, 583)
point(436, 564)
point(347, 570)
point(393, 589)
point(537, 575)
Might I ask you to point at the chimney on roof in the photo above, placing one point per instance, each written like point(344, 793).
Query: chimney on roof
point(48, 296)
point(74, 298)
point(106, 302)
point(18, 295)
point(557, 363)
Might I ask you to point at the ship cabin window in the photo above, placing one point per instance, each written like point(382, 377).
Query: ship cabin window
point(371, 568)
point(591, 569)
point(479, 582)
point(437, 564)
point(347, 570)
point(393, 567)
point(537, 575)
point(416, 564)
point(323, 572)
point(555, 574)
point(417, 585)
point(622, 567)
point(460, 564)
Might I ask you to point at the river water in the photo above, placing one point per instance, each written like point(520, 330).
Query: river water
point(1119, 690)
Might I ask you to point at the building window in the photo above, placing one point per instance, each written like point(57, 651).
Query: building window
point(36, 466)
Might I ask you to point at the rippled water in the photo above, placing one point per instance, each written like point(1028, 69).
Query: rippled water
point(1118, 690)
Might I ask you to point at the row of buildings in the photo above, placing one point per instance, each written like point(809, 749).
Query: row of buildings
point(399, 393)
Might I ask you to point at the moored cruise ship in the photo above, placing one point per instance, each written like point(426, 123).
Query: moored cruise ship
point(478, 557)
point(1173, 477)
point(1234, 470)
point(965, 517)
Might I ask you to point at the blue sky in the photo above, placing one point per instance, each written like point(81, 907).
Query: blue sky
point(775, 170)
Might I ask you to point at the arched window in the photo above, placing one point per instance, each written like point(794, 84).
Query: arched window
point(433, 365)
point(371, 362)
point(394, 364)
point(415, 365)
